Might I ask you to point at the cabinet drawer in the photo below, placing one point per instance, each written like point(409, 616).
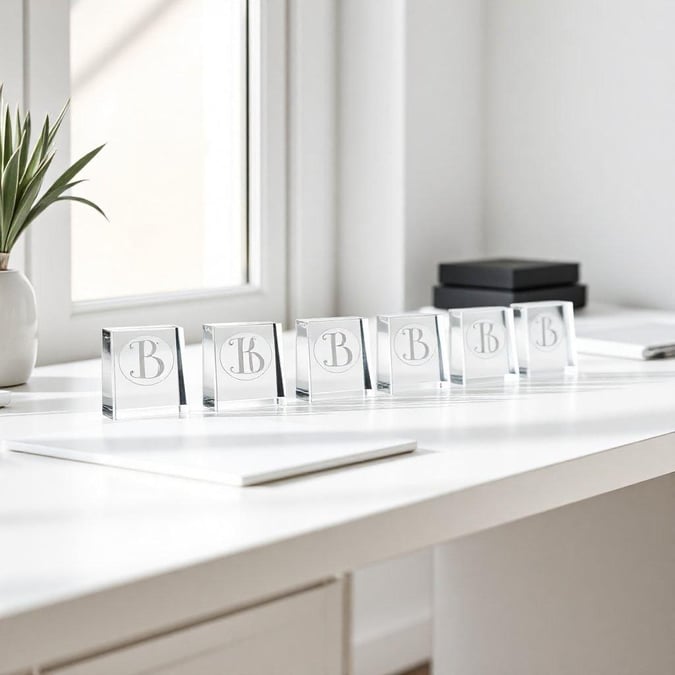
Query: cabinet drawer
point(301, 634)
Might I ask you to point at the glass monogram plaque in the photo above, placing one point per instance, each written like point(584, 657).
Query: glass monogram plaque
point(241, 362)
point(142, 371)
point(482, 344)
point(545, 337)
point(331, 359)
point(409, 354)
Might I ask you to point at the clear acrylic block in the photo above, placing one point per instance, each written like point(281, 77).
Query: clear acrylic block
point(331, 359)
point(482, 344)
point(545, 337)
point(409, 353)
point(241, 363)
point(142, 371)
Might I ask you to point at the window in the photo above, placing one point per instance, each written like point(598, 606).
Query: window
point(163, 82)
point(190, 97)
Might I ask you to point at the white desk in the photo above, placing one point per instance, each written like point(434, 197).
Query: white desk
point(92, 558)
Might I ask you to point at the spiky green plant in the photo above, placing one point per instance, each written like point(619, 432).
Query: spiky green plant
point(22, 173)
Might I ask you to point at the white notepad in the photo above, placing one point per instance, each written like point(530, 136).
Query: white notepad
point(648, 340)
point(210, 449)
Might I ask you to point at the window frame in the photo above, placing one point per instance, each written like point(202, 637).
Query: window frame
point(71, 330)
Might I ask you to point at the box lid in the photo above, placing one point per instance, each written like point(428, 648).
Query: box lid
point(510, 273)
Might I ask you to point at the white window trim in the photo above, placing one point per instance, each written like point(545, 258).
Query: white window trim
point(70, 331)
point(313, 37)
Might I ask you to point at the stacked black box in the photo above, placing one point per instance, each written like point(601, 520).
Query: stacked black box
point(501, 281)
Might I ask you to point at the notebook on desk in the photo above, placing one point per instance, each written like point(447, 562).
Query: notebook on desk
point(213, 449)
point(647, 340)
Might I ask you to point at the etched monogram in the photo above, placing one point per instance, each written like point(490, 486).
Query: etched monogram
point(484, 338)
point(337, 350)
point(546, 331)
point(413, 345)
point(146, 360)
point(245, 356)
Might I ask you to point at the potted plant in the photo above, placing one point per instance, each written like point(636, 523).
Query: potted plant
point(22, 200)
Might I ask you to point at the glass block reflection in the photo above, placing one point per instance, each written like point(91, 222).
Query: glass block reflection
point(331, 358)
point(409, 354)
point(545, 337)
point(241, 363)
point(142, 371)
point(482, 344)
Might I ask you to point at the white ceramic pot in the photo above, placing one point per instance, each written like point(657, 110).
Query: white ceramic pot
point(18, 328)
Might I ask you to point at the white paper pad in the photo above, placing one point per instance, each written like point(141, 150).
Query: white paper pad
point(212, 449)
point(636, 340)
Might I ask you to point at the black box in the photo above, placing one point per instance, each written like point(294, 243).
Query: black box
point(456, 297)
point(508, 273)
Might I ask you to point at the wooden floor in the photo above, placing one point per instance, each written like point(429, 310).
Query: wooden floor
point(422, 670)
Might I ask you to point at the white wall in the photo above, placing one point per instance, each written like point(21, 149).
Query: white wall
point(580, 140)
point(11, 50)
point(371, 91)
point(443, 139)
point(529, 128)
point(12, 76)
point(409, 130)
point(312, 165)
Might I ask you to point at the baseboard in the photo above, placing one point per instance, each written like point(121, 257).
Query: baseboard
point(393, 650)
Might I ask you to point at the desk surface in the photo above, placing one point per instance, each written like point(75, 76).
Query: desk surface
point(80, 541)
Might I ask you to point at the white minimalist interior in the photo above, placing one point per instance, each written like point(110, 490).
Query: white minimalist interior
point(360, 144)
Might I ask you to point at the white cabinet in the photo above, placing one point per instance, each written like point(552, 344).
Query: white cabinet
point(587, 588)
point(301, 634)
